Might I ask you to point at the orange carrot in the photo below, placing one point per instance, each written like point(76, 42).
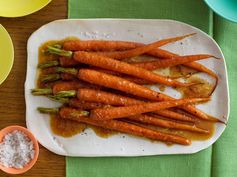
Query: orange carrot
point(68, 77)
point(167, 124)
point(127, 77)
point(98, 45)
point(76, 103)
point(98, 96)
point(122, 67)
point(137, 80)
point(202, 68)
point(70, 113)
point(118, 83)
point(152, 65)
point(174, 115)
point(143, 49)
point(108, 98)
point(67, 63)
point(73, 85)
point(127, 111)
point(163, 54)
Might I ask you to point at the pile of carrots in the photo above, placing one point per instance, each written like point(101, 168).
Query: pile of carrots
point(99, 85)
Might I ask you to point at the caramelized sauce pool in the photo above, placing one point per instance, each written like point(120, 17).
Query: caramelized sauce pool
point(101, 132)
point(69, 128)
point(65, 128)
point(204, 89)
point(177, 71)
point(162, 88)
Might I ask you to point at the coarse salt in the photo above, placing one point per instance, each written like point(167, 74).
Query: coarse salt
point(16, 150)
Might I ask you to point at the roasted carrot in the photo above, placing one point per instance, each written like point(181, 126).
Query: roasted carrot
point(138, 80)
point(98, 45)
point(202, 68)
point(68, 77)
point(127, 111)
point(73, 85)
point(143, 49)
point(152, 65)
point(127, 77)
point(175, 115)
point(163, 54)
point(63, 86)
point(69, 113)
point(167, 124)
point(123, 67)
point(98, 96)
point(67, 74)
point(76, 103)
point(64, 62)
point(118, 83)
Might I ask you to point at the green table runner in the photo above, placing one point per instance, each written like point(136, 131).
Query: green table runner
point(220, 160)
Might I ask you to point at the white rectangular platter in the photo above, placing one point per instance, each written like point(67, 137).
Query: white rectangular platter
point(144, 31)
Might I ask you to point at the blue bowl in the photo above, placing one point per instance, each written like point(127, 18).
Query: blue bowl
point(225, 8)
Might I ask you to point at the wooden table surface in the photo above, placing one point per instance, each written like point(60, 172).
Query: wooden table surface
point(12, 101)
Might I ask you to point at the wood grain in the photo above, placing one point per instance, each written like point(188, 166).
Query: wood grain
point(12, 102)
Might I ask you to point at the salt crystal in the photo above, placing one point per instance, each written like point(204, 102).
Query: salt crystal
point(16, 150)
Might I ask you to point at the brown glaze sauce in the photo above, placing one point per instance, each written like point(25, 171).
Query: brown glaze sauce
point(101, 132)
point(162, 88)
point(68, 128)
point(65, 128)
point(204, 89)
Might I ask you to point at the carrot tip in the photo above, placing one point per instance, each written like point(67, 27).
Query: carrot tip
point(218, 58)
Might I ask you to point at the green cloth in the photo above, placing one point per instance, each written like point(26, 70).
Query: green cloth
point(220, 160)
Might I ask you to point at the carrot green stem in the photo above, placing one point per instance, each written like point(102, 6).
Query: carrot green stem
point(66, 94)
point(57, 51)
point(48, 110)
point(48, 64)
point(41, 91)
point(72, 71)
point(50, 78)
point(78, 113)
point(59, 99)
point(56, 110)
point(59, 46)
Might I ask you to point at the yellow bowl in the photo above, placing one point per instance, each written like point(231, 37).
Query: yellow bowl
point(6, 54)
point(19, 8)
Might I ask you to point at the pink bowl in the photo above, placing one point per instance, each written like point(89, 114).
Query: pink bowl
point(9, 129)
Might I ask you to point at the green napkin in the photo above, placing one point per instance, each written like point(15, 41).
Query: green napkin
point(218, 160)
